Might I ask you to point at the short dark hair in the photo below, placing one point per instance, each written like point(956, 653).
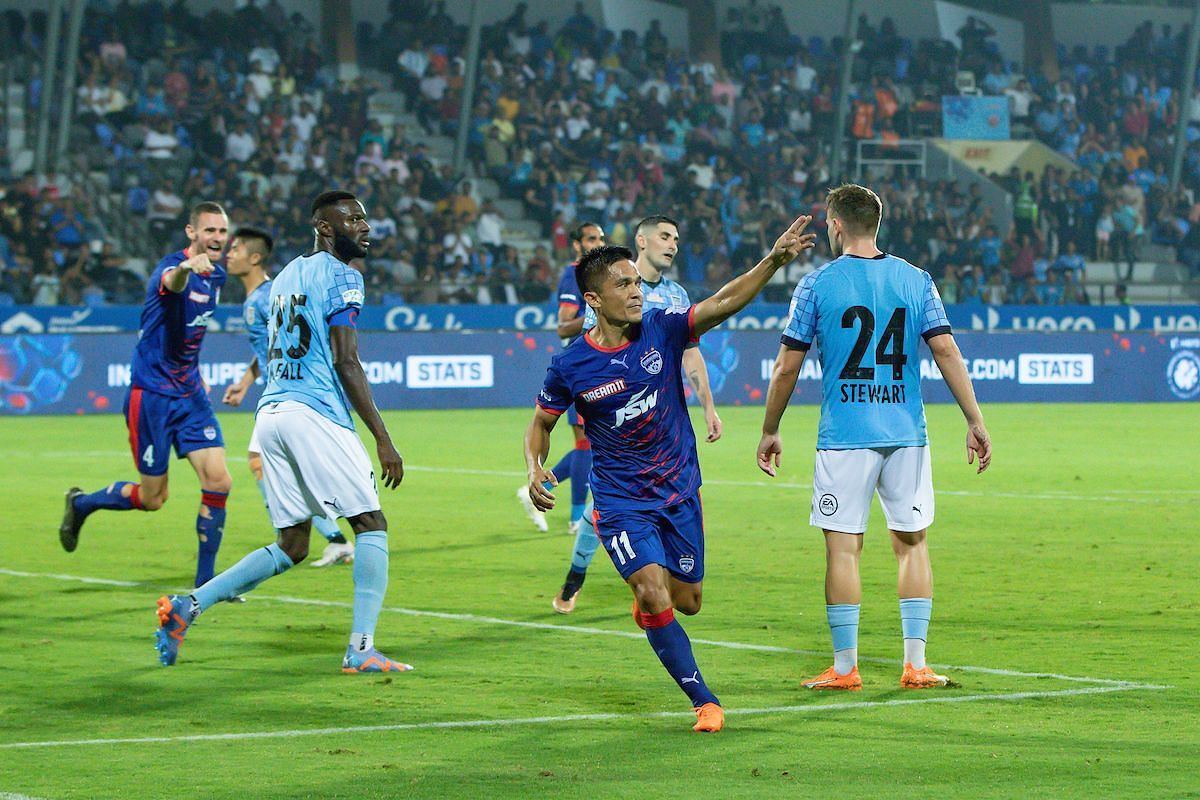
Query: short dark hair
point(332, 197)
point(859, 208)
point(205, 207)
point(263, 241)
point(654, 220)
point(589, 272)
point(577, 231)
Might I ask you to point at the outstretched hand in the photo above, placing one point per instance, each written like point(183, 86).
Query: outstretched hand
point(793, 241)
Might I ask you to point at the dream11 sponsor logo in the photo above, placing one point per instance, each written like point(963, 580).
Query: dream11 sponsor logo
point(1055, 368)
point(450, 372)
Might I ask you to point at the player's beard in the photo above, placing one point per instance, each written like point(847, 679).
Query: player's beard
point(835, 246)
point(346, 248)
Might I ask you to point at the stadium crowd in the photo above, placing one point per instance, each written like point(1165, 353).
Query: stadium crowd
point(584, 123)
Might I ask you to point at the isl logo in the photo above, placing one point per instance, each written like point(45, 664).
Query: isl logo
point(1183, 375)
point(652, 362)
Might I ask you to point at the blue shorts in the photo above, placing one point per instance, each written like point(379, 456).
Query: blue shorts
point(672, 537)
point(158, 422)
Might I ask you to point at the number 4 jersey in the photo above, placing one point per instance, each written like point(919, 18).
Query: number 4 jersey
point(312, 293)
point(865, 316)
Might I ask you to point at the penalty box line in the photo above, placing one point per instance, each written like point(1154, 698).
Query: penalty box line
point(592, 631)
point(568, 718)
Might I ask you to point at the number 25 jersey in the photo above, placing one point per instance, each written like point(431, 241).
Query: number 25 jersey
point(866, 316)
point(310, 292)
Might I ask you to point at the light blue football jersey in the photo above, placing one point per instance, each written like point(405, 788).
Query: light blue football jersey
point(665, 294)
point(866, 315)
point(256, 310)
point(304, 296)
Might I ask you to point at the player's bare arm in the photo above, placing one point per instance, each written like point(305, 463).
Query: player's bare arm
point(237, 392)
point(176, 278)
point(697, 375)
point(954, 371)
point(569, 325)
point(737, 294)
point(537, 447)
point(343, 340)
point(783, 382)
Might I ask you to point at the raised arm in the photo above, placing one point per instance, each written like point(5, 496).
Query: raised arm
point(175, 279)
point(343, 340)
point(737, 294)
point(537, 447)
point(950, 361)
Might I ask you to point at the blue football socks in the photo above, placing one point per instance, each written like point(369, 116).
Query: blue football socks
point(243, 576)
point(586, 542)
point(843, 625)
point(674, 650)
point(581, 468)
point(210, 527)
point(110, 498)
point(915, 613)
point(370, 585)
point(329, 529)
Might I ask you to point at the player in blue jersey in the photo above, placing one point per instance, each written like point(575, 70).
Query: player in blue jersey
point(249, 251)
point(865, 311)
point(624, 377)
point(167, 405)
point(657, 239)
point(576, 465)
point(313, 461)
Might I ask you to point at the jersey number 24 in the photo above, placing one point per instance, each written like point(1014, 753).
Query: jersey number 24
point(893, 337)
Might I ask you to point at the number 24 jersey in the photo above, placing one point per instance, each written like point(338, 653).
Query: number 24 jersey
point(866, 316)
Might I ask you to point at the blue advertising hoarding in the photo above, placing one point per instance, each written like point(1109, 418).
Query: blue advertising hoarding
point(974, 117)
point(759, 316)
point(83, 374)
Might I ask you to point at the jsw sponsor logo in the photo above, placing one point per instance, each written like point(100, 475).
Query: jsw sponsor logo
point(636, 406)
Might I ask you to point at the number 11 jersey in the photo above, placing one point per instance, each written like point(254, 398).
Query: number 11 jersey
point(865, 316)
point(310, 294)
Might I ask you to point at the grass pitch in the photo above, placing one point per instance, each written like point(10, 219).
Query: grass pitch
point(1065, 605)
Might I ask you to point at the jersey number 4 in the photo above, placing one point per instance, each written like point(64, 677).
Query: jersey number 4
point(295, 322)
point(893, 337)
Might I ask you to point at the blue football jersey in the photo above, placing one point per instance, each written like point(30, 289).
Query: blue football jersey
point(167, 357)
point(632, 403)
point(866, 316)
point(256, 309)
point(304, 297)
point(569, 294)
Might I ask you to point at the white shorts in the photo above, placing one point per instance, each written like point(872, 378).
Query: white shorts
point(845, 480)
point(254, 447)
point(312, 467)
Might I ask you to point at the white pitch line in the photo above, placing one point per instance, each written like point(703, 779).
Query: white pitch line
point(1112, 495)
point(548, 626)
point(11, 796)
point(506, 723)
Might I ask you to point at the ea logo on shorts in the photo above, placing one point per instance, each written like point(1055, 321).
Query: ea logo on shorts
point(687, 564)
point(652, 362)
point(210, 433)
point(1183, 375)
point(827, 504)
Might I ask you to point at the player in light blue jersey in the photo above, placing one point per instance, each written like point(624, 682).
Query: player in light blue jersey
point(657, 239)
point(865, 311)
point(247, 259)
point(313, 461)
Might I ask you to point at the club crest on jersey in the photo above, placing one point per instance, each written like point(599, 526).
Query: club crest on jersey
point(687, 564)
point(606, 390)
point(210, 433)
point(249, 315)
point(652, 362)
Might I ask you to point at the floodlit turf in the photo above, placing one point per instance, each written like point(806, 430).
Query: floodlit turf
point(1075, 557)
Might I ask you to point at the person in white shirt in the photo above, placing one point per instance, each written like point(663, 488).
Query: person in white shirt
point(239, 144)
point(489, 226)
point(304, 120)
point(160, 142)
point(260, 80)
